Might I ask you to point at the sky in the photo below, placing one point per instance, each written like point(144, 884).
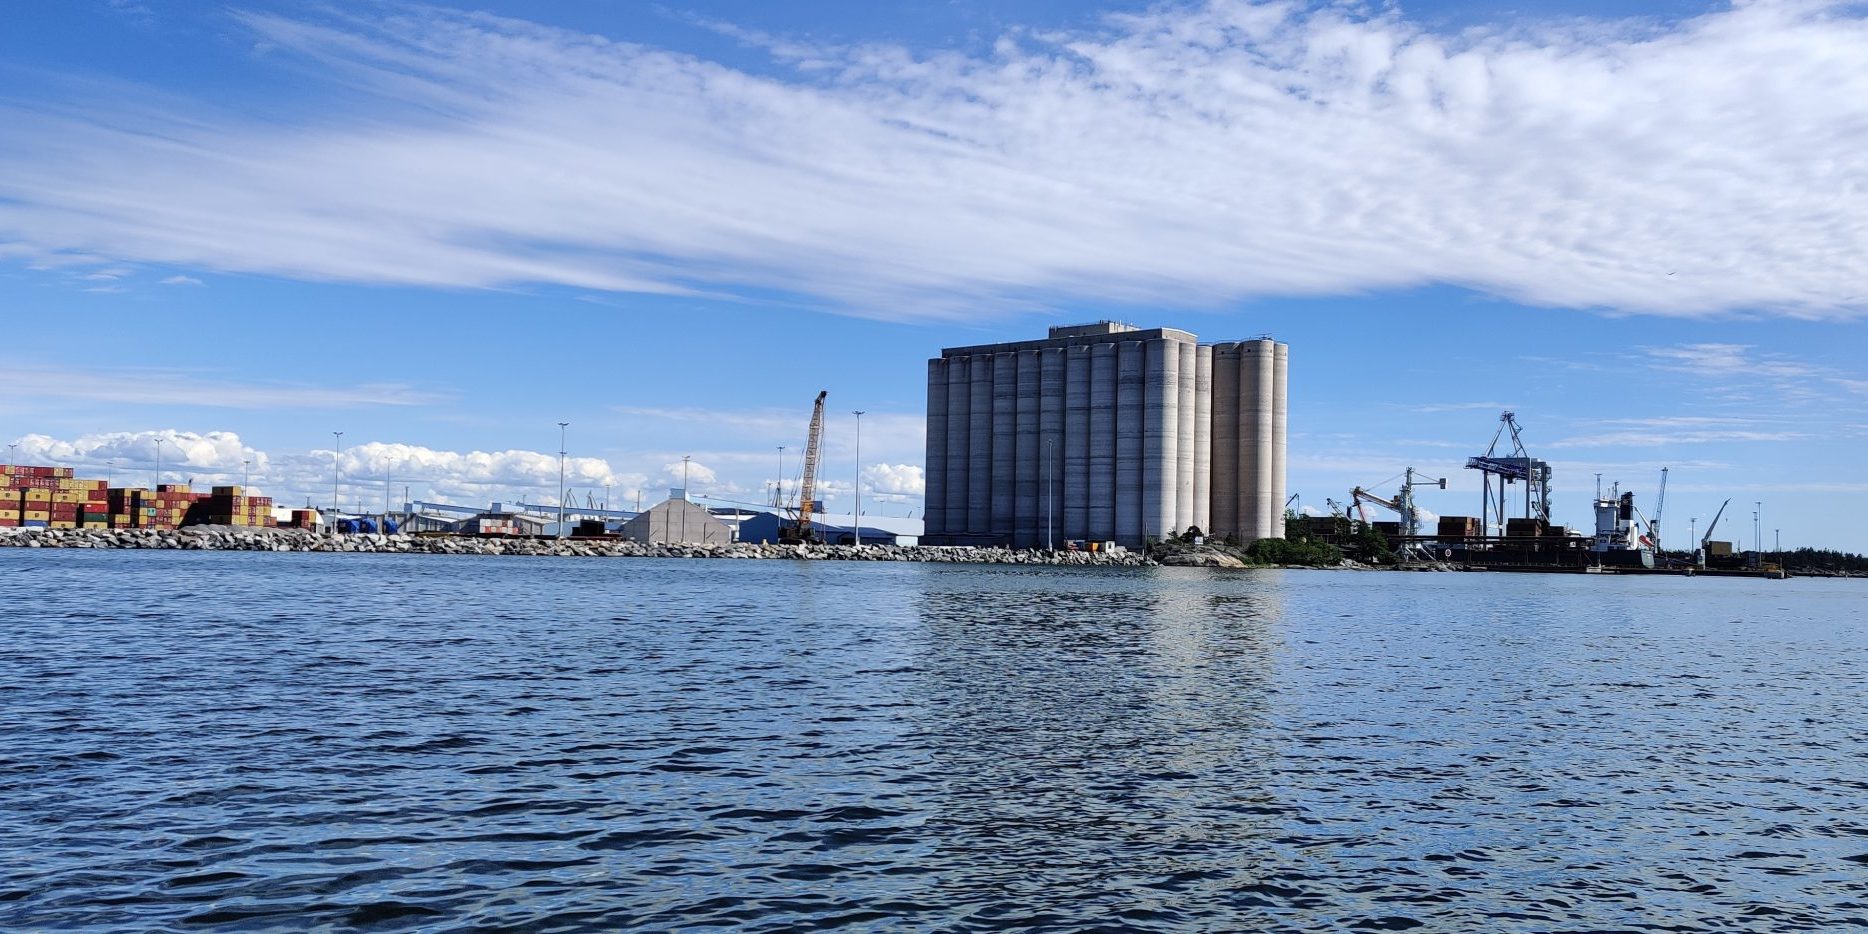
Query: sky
point(441, 230)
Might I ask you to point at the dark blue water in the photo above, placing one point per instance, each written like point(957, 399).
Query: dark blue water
point(197, 740)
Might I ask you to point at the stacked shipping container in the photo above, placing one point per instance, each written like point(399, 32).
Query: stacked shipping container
point(51, 497)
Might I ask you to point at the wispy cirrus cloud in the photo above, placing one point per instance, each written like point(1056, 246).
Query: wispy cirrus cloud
point(27, 385)
point(1737, 368)
point(1195, 154)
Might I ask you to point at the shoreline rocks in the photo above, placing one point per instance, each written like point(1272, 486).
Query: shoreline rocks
point(235, 538)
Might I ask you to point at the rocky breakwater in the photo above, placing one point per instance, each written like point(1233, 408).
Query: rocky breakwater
point(231, 538)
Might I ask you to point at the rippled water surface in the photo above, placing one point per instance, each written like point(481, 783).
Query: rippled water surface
point(286, 741)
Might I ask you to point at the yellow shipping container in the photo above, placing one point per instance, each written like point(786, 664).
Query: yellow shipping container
point(62, 524)
point(36, 495)
point(35, 514)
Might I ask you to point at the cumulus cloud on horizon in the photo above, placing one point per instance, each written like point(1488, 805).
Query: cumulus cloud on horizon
point(1196, 154)
point(369, 474)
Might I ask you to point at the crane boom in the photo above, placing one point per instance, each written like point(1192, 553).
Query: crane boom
point(1705, 540)
point(807, 488)
point(1660, 503)
point(1713, 524)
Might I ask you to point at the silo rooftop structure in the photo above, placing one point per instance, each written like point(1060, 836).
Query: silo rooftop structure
point(1105, 432)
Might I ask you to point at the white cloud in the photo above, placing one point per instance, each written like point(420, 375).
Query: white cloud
point(182, 454)
point(694, 473)
point(363, 473)
point(1194, 154)
point(181, 280)
point(27, 385)
point(898, 479)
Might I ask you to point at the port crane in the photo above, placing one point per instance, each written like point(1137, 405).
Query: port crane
point(1402, 504)
point(798, 531)
point(1513, 465)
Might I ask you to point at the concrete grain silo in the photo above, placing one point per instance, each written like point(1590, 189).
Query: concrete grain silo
point(934, 515)
point(1105, 432)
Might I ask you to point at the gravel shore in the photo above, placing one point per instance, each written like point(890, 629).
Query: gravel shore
point(231, 538)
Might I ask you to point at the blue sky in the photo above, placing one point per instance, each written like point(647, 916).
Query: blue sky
point(442, 230)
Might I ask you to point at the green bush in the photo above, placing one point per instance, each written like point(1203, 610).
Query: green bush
point(1282, 551)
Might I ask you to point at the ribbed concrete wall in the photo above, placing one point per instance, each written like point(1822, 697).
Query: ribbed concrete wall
point(1004, 445)
point(959, 416)
point(1279, 425)
point(1102, 506)
point(1075, 498)
point(1203, 438)
point(1225, 440)
point(1130, 382)
point(1050, 444)
point(1160, 436)
point(1255, 391)
point(1025, 486)
point(1183, 451)
point(979, 457)
point(934, 477)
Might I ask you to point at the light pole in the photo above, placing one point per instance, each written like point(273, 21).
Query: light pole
point(246, 475)
point(337, 458)
point(561, 427)
point(685, 459)
point(778, 500)
point(1757, 527)
point(158, 483)
point(856, 512)
point(9, 456)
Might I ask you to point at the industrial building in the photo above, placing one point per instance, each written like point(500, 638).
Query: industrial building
point(677, 521)
point(766, 528)
point(1105, 432)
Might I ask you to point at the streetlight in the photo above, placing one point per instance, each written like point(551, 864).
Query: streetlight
point(337, 458)
point(10, 465)
point(778, 500)
point(158, 463)
point(685, 458)
point(1757, 527)
point(246, 474)
point(561, 427)
point(856, 513)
